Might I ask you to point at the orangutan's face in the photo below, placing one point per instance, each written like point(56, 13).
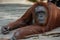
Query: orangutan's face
point(41, 14)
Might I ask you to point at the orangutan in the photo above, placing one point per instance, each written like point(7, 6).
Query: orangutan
point(41, 17)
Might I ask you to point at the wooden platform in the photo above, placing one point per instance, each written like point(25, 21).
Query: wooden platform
point(9, 13)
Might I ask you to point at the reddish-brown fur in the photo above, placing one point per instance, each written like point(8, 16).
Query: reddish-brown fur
point(25, 22)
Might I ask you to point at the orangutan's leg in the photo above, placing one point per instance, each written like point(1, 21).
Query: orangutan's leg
point(26, 31)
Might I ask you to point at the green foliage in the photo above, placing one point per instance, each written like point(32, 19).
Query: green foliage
point(32, 0)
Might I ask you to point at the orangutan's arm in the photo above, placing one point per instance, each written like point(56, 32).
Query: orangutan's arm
point(23, 21)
